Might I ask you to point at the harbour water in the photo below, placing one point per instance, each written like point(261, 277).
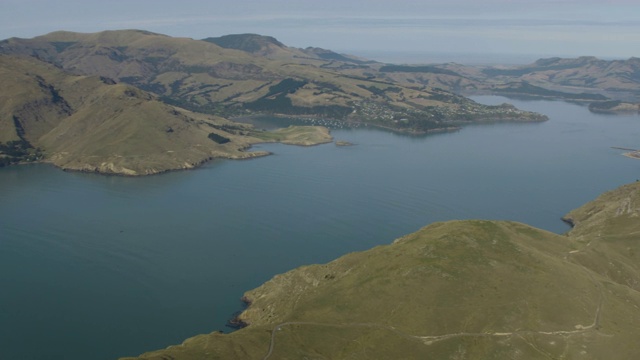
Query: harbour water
point(98, 267)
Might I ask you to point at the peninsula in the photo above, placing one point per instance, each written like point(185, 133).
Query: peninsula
point(477, 289)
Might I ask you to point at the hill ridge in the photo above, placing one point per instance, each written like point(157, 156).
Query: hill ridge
point(202, 76)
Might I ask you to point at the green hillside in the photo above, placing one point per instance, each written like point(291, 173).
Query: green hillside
point(455, 290)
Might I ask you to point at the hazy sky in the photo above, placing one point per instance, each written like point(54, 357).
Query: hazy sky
point(604, 28)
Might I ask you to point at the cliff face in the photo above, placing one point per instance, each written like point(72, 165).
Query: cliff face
point(460, 289)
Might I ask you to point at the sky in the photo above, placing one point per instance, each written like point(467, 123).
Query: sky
point(419, 29)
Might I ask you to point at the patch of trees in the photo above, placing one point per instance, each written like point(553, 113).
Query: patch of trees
point(61, 46)
point(418, 69)
point(379, 91)
point(231, 129)
point(286, 86)
point(283, 105)
point(56, 98)
point(326, 86)
point(542, 65)
point(276, 101)
point(218, 138)
point(278, 104)
point(528, 89)
point(416, 124)
point(16, 151)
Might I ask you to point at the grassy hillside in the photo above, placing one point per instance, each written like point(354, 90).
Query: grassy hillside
point(455, 290)
point(90, 123)
point(248, 73)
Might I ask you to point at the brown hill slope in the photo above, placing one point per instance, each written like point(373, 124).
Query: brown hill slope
point(455, 290)
point(93, 124)
point(203, 76)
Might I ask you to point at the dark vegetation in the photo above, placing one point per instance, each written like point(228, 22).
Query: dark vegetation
point(61, 46)
point(418, 69)
point(379, 91)
point(13, 152)
point(56, 98)
point(19, 128)
point(288, 86)
point(282, 105)
point(245, 42)
point(540, 65)
point(231, 129)
point(525, 88)
point(277, 102)
point(276, 99)
point(218, 138)
point(330, 55)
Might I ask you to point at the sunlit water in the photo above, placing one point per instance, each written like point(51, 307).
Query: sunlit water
point(97, 267)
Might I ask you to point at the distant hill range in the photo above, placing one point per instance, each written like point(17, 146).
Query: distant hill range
point(581, 79)
point(247, 74)
point(588, 73)
point(455, 290)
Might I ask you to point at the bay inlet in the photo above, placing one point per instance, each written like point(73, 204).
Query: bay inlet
point(100, 267)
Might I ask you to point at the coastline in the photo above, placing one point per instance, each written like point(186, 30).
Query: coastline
point(306, 138)
point(633, 155)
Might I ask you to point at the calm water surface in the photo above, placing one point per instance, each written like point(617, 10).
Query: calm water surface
point(97, 267)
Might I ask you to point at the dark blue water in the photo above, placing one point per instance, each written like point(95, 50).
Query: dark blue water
point(100, 267)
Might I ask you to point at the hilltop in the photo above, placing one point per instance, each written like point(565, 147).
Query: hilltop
point(92, 123)
point(460, 289)
point(270, 47)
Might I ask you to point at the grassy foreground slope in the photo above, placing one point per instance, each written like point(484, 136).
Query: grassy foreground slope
point(456, 290)
point(91, 123)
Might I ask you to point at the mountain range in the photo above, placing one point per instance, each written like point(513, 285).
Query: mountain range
point(225, 77)
point(157, 98)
